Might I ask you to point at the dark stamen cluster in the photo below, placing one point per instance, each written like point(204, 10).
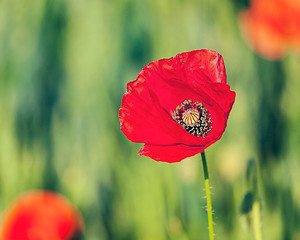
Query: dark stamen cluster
point(202, 126)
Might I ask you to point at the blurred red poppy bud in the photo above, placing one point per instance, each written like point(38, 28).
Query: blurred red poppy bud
point(41, 215)
point(271, 27)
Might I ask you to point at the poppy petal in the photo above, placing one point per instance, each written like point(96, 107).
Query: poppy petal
point(170, 154)
point(222, 95)
point(142, 120)
point(207, 62)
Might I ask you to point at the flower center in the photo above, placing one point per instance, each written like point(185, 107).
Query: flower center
point(190, 116)
point(194, 118)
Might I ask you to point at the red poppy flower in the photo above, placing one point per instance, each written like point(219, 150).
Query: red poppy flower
point(41, 215)
point(177, 106)
point(271, 27)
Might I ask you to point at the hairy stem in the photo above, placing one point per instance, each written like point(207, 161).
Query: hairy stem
point(208, 198)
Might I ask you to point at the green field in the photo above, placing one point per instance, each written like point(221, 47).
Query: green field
point(64, 66)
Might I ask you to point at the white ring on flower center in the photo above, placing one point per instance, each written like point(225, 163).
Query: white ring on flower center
point(191, 116)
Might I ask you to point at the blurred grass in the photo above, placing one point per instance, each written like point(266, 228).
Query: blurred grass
point(64, 66)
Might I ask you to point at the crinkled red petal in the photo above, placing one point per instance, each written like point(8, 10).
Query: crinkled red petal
point(141, 117)
point(222, 95)
point(205, 61)
point(170, 154)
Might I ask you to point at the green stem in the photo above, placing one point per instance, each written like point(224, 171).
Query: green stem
point(208, 198)
point(256, 221)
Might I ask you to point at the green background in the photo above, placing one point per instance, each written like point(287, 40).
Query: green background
point(64, 66)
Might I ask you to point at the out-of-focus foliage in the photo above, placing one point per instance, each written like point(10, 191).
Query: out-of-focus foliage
point(64, 66)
